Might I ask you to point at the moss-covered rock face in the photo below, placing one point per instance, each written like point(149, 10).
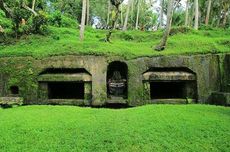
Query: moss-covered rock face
point(226, 73)
point(24, 72)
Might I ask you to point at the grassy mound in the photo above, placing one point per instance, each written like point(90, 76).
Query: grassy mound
point(147, 128)
point(130, 44)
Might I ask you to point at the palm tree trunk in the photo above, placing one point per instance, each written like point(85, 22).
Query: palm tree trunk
point(83, 16)
point(87, 13)
point(192, 16)
point(225, 19)
point(208, 12)
point(161, 13)
point(108, 12)
point(162, 45)
point(132, 11)
point(196, 15)
point(218, 19)
point(226, 6)
point(33, 4)
point(107, 39)
point(127, 16)
point(186, 13)
point(138, 13)
point(122, 15)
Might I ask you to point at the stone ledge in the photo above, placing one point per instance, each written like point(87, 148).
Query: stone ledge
point(11, 101)
point(171, 101)
point(114, 101)
point(76, 102)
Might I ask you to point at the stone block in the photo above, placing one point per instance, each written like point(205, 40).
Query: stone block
point(220, 98)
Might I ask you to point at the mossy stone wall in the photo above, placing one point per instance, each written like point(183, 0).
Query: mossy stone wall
point(24, 72)
point(225, 72)
point(205, 67)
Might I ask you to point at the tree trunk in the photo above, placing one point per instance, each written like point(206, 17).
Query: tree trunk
point(29, 9)
point(186, 13)
point(191, 18)
point(138, 13)
point(6, 9)
point(121, 15)
point(33, 4)
point(132, 12)
point(83, 16)
point(196, 15)
point(108, 12)
point(161, 13)
point(225, 19)
point(107, 39)
point(87, 13)
point(127, 16)
point(225, 11)
point(208, 12)
point(219, 19)
point(162, 45)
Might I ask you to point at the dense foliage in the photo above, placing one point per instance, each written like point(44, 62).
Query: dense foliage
point(19, 18)
point(130, 44)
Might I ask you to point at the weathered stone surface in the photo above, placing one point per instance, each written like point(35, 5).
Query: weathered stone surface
point(169, 76)
point(225, 72)
point(171, 101)
point(24, 72)
point(11, 101)
point(220, 98)
point(76, 102)
point(65, 77)
point(204, 66)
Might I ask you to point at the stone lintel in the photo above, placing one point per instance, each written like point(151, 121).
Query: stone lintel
point(65, 77)
point(169, 76)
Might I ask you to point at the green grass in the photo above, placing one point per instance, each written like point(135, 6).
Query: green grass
point(130, 44)
point(147, 128)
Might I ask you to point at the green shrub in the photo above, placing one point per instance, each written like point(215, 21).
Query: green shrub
point(55, 19)
point(126, 36)
point(206, 27)
point(225, 43)
point(39, 23)
point(59, 20)
point(180, 29)
point(68, 22)
point(5, 22)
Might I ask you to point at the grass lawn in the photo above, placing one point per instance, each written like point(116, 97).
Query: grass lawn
point(147, 128)
point(130, 44)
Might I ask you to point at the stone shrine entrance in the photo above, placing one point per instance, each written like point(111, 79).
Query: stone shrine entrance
point(117, 85)
point(172, 84)
point(61, 85)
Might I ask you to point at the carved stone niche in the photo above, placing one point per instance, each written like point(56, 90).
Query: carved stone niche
point(170, 84)
point(72, 86)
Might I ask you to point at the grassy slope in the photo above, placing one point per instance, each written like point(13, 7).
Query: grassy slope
point(147, 128)
point(204, 41)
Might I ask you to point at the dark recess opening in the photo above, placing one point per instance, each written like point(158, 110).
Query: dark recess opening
point(167, 90)
point(116, 106)
point(14, 90)
point(66, 90)
point(117, 74)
